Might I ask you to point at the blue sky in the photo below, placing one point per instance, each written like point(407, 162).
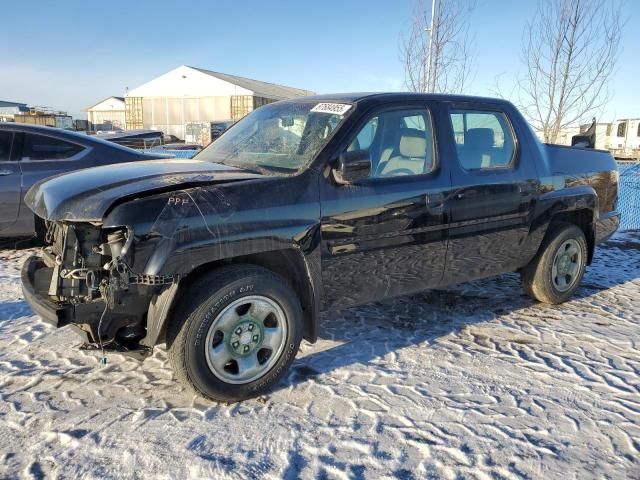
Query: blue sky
point(70, 54)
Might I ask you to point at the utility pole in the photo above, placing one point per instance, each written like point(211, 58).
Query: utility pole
point(431, 83)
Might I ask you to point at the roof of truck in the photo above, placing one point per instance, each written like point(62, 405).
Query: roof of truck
point(398, 96)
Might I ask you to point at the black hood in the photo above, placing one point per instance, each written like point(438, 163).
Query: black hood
point(86, 195)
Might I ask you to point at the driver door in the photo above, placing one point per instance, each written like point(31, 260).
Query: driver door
point(387, 235)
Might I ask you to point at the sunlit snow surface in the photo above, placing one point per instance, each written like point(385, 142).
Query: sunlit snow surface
point(477, 381)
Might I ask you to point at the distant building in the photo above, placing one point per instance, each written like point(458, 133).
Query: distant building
point(45, 116)
point(565, 134)
point(8, 110)
point(188, 95)
point(107, 114)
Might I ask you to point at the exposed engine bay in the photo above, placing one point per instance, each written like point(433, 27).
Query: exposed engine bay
point(87, 269)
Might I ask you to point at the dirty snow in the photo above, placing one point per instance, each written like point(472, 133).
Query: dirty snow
point(474, 382)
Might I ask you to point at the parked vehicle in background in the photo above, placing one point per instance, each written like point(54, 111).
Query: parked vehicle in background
point(624, 141)
point(139, 139)
point(307, 205)
point(181, 146)
point(29, 153)
point(218, 128)
point(203, 133)
point(171, 139)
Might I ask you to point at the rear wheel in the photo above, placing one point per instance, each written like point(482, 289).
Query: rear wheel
point(557, 270)
point(236, 333)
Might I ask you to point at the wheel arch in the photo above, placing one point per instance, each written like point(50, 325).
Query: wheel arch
point(583, 218)
point(577, 205)
point(291, 264)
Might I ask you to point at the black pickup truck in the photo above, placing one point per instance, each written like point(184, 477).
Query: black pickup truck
point(306, 205)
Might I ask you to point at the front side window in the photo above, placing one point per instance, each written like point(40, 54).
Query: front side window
point(484, 140)
point(278, 138)
point(5, 146)
point(42, 147)
point(399, 142)
point(622, 129)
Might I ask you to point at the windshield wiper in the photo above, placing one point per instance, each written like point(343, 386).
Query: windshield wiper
point(276, 168)
point(259, 171)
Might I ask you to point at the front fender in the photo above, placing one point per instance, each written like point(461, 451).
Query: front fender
point(307, 283)
point(176, 232)
point(179, 233)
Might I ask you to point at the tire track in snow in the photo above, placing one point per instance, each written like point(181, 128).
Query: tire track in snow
point(474, 381)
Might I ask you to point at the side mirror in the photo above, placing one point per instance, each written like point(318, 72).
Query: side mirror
point(351, 167)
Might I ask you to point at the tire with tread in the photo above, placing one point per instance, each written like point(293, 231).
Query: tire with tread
point(198, 308)
point(537, 277)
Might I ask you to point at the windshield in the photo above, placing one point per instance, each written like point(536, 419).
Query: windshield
point(281, 137)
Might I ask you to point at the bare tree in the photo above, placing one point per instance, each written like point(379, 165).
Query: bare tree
point(446, 66)
point(570, 52)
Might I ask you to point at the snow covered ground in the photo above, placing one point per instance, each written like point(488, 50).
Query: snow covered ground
point(474, 382)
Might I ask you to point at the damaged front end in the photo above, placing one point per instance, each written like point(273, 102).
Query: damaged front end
point(83, 278)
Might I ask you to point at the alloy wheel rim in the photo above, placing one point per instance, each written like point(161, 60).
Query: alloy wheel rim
point(567, 263)
point(246, 339)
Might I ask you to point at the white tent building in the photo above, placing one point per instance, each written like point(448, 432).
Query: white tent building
point(108, 114)
point(188, 95)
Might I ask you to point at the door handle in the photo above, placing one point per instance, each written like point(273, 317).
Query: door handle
point(525, 190)
point(434, 200)
point(4, 173)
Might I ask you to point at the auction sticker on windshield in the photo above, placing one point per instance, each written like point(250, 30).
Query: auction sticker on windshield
point(334, 108)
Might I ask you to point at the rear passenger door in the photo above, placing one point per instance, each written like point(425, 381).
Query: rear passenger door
point(493, 190)
point(43, 156)
point(9, 182)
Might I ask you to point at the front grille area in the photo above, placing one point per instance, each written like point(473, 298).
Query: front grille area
point(73, 252)
point(55, 237)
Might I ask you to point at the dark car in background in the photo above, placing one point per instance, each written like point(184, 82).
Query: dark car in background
point(139, 139)
point(218, 128)
point(29, 153)
point(181, 147)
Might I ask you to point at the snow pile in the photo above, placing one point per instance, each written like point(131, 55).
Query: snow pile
point(477, 382)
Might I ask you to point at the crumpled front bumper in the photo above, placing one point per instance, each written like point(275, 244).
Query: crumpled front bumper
point(36, 278)
point(84, 317)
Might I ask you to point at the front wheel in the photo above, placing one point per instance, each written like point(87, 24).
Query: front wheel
point(556, 271)
point(236, 333)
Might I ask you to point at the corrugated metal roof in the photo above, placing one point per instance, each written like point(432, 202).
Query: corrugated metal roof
point(105, 99)
point(260, 89)
point(4, 103)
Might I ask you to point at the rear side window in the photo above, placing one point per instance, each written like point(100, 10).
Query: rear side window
point(484, 140)
point(5, 146)
point(42, 147)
